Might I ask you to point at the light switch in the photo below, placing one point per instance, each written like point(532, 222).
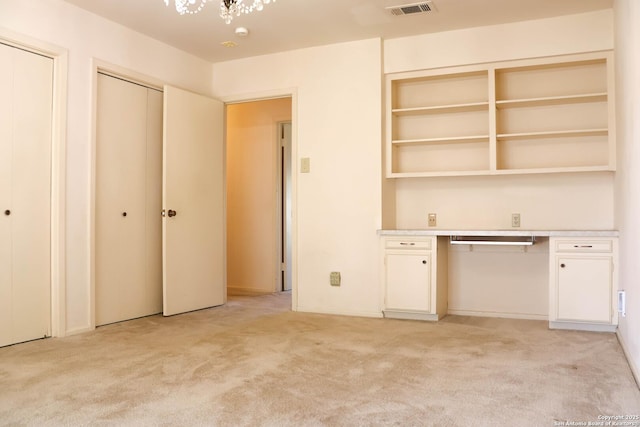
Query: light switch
point(305, 165)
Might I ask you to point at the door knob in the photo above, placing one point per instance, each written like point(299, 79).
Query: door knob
point(7, 212)
point(171, 213)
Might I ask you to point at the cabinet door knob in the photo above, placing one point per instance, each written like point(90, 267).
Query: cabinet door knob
point(7, 212)
point(171, 213)
point(562, 265)
point(424, 261)
point(124, 214)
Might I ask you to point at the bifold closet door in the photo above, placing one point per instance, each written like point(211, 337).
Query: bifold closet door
point(128, 218)
point(26, 95)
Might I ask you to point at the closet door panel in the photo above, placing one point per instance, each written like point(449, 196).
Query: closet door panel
point(26, 89)
point(31, 206)
point(154, 202)
point(120, 199)
point(6, 118)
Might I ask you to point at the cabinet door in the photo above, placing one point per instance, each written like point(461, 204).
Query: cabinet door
point(584, 288)
point(408, 281)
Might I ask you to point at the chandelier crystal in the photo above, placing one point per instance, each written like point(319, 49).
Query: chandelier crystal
point(228, 8)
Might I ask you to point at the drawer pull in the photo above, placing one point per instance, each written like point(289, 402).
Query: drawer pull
point(407, 243)
point(582, 246)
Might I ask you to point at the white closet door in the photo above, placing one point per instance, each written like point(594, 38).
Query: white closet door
point(124, 260)
point(153, 298)
point(6, 144)
point(193, 238)
point(25, 195)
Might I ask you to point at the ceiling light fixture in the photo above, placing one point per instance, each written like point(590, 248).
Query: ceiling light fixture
point(228, 8)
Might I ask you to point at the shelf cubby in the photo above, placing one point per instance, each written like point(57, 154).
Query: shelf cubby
point(543, 115)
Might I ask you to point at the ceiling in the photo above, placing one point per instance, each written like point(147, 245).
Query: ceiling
point(293, 24)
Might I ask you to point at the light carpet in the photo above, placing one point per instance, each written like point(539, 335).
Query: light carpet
point(253, 362)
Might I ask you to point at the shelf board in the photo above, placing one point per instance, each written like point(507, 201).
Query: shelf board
point(551, 134)
point(552, 100)
point(445, 140)
point(455, 108)
point(564, 169)
point(485, 172)
point(434, 174)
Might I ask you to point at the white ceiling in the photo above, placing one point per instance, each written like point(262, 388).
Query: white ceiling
point(293, 24)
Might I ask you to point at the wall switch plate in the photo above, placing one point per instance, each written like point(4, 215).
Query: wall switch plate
point(305, 165)
point(334, 278)
point(433, 220)
point(515, 220)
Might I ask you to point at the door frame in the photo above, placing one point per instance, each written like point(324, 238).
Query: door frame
point(60, 57)
point(264, 96)
point(104, 67)
point(285, 164)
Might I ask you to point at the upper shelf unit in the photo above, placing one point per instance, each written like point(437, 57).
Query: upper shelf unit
point(530, 116)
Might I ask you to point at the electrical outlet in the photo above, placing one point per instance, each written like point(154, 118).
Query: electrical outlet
point(334, 278)
point(433, 220)
point(515, 220)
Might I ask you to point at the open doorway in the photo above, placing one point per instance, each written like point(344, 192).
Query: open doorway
point(258, 183)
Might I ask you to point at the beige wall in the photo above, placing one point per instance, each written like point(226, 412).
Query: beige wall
point(501, 282)
point(559, 201)
point(336, 123)
point(252, 195)
point(628, 176)
point(87, 37)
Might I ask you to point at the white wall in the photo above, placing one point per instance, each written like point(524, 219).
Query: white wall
point(492, 283)
point(529, 39)
point(487, 202)
point(338, 122)
point(627, 13)
point(88, 36)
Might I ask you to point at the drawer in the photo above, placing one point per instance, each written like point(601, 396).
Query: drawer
point(584, 246)
point(408, 244)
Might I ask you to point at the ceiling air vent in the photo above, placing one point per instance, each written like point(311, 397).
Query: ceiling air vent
point(411, 8)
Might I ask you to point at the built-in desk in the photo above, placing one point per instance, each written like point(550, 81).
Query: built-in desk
point(580, 284)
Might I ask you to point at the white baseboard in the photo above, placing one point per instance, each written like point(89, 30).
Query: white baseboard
point(77, 331)
point(635, 369)
point(577, 326)
point(377, 314)
point(410, 315)
point(524, 316)
point(246, 291)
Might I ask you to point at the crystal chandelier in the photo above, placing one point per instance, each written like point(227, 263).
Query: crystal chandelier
point(228, 8)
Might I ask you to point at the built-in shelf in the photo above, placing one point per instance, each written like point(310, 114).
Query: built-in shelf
point(552, 100)
point(475, 106)
point(543, 115)
point(552, 134)
point(452, 140)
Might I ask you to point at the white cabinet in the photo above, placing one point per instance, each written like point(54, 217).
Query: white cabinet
point(529, 116)
point(414, 287)
point(583, 283)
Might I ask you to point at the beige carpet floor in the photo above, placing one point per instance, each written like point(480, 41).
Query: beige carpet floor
point(253, 362)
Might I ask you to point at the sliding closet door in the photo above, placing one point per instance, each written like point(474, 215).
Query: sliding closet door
point(193, 199)
point(26, 88)
point(128, 191)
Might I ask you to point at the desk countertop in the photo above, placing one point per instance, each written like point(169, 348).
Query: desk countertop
point(503, 233)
